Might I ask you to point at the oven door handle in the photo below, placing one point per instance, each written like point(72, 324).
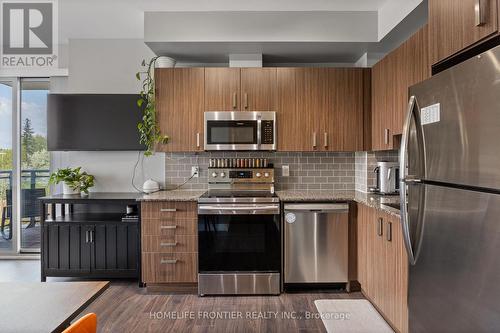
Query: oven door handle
point(238, 210)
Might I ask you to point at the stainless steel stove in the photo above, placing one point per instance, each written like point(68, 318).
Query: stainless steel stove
point(239, 241)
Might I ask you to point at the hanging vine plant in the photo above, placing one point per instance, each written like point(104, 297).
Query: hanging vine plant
point(149, 131)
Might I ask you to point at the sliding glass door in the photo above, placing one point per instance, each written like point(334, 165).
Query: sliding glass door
point(35, 159)
point(24, 163)
point(7, 106)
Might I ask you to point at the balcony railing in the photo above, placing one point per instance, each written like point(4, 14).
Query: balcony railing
point(33, 185)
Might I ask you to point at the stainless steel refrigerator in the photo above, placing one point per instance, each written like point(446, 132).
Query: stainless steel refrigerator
point(450, 194)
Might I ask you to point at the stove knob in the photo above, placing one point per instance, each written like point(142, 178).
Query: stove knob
point(222, 175)
point(258, 175)
point(214, 174)
point(266, 174)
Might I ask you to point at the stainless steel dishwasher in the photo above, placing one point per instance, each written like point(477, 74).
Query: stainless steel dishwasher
point(316, 243)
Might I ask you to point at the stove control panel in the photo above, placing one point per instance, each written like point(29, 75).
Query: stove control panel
point(260, 175)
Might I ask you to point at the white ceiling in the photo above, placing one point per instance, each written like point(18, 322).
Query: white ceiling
point(124, 19)
point(246, 5)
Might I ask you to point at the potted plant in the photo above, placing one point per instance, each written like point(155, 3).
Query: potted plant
point(149, 131)
point(74, 180)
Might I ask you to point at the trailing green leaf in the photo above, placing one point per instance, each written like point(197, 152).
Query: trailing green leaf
point(149, 131)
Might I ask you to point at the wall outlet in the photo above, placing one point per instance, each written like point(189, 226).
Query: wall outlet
point(285, 171)
point(195, 171)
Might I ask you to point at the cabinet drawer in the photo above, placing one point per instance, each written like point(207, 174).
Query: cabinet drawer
point(169, 226)
point(169, 209)
point(170, 244)
point(174, 267)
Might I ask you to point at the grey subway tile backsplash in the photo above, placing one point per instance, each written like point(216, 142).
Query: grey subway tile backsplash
point(366, 162)
point(308, 171)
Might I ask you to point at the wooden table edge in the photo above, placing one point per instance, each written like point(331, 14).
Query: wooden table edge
point(67, 322)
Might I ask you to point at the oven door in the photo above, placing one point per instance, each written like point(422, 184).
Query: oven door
point(238, 238)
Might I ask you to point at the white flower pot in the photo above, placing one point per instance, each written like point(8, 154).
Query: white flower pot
point(68, 190)
point(165, 62)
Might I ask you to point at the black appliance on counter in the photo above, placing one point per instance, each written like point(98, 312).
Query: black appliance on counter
point(239, 238)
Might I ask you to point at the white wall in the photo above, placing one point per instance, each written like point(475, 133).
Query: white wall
point(106, 66)
point(392, 13)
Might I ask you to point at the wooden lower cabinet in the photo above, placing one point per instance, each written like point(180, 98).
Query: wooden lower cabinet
point(383, 265)
point(170, 268)
point(169, 237)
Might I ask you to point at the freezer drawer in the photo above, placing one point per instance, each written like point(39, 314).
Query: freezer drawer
point(316, 243)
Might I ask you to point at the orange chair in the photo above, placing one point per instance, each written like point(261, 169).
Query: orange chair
point(86, 324)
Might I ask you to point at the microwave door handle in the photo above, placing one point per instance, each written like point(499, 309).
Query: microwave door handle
point(389, 173)
point(259, 131)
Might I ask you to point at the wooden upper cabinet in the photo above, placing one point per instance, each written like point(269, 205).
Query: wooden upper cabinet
point(412, 66)
point(180, 105)
point(312, 106)
point(382, 104)
point(343, 119)
point(391, 78)
point(318, 109)
point(321, 109)
point(453, 26)
point(222, 89)
point(291, 136)
point(258, 89)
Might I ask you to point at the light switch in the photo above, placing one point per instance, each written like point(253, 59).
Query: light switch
point(285, 171)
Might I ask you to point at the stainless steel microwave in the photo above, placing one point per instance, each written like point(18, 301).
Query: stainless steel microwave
point(240, 130)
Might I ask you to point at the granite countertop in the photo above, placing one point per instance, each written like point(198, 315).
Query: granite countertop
point(315, 195)
point(371, 200)
point(377, 201)
point(175, 195)
point(368, 199)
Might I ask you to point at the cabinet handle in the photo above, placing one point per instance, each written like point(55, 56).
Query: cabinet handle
point(479, 12)
point(380, 227)
point(168, 227)
point(86, 236)
point(314, 140)
point(246, 100)
point(166, 210)
point(235, 100)
point(168, 261)
point(388, 235)
point(168, 244)
point(198, 140)
point(326, 139)
point(386, 136)
point(91, 232)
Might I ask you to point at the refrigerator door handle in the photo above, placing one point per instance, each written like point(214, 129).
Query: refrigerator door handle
point(407, 180)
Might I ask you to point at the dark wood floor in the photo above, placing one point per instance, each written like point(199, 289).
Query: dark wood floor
point(124, 307)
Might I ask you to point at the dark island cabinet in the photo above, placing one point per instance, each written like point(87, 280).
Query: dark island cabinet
point(66, 248)
point(87, 238)
point(114, 248)
point(107, 250)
